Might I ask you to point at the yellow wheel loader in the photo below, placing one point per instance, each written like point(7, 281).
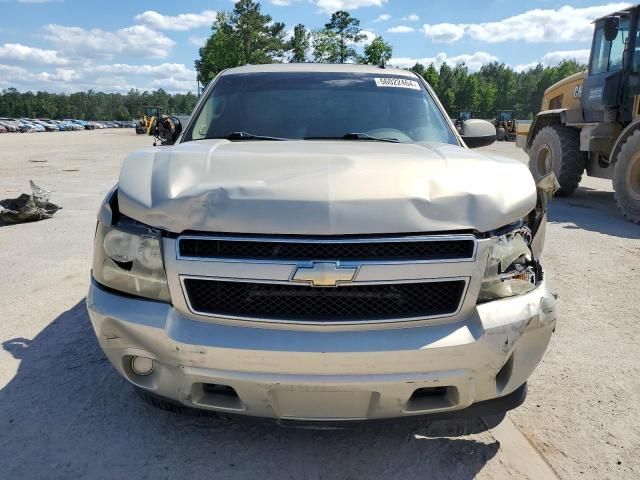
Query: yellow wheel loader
point(590, 121)
point(505, 124)
point(146, 124)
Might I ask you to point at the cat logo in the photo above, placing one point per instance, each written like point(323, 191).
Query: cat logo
point(577, 91)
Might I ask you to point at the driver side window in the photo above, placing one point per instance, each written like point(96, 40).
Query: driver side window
point(608, 55)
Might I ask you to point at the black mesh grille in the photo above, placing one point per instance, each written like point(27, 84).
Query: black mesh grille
point(259, 250)
point(305, 303)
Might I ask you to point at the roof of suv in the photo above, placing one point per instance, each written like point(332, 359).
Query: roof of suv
point(319, 67)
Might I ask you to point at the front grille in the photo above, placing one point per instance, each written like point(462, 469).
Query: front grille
point(449, 249)
point(305, 303)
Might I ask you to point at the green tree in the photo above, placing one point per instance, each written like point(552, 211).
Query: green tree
point(299, 44)
point(446, 88)
point(325, 47)
point(220, 51)
point(419, 69)
point(378, 52)
point(261, 39)
point(336, 42)
point(431, 76)
point(243, 36)
point(487, 107)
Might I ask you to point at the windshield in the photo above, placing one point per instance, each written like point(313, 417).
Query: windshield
point(320, 106)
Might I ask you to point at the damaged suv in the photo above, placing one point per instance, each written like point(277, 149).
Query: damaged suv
point(320, 244)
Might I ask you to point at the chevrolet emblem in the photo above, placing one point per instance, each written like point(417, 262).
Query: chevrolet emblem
point(324, 274)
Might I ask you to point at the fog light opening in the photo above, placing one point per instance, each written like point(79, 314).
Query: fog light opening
point(142, 365)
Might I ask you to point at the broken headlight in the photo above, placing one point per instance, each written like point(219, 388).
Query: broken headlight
point(511, 269)
point(128, 257)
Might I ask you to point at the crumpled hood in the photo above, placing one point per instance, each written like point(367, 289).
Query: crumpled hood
point(322, 188)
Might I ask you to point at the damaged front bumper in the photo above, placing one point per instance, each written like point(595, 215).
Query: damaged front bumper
point(318, 375)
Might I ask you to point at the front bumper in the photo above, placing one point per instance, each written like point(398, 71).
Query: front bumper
point(316, 375)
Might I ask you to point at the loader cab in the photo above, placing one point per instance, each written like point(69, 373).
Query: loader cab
point(504, 115)
point(153, 111)
point(614, 67)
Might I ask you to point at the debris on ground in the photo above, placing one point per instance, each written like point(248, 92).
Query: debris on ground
point(27, 207)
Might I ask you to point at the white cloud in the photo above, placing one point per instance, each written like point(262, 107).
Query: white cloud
point(401, 29)
point(330, 6)
point(197, 41)
point(60, 75)
point(369, 36)
point(474, 61)
point(565, 24)
point(443, 32)
point(282, 3)
point(526, 67)
point(164, 70)
point(174, 78)
point(178, 23)
point(382, 18)
point(554, 58)
point(138, 40)
point(411, 18)
point(15, 52)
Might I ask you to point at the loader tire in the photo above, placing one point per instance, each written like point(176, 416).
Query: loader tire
point(626, 178)
point(501, 134)
point(557, 148)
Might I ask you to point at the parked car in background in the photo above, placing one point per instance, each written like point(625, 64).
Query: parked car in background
point(48, 126)
point(36, 127)
point(8, 125)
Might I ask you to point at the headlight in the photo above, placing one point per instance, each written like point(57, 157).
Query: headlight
point(511, 269)
point(128, 258)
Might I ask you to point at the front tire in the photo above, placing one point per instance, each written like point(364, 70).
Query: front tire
point(626, 178)
point(557, 149)
point(501, 134)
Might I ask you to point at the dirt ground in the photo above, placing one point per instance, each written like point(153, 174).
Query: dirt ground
point(65, 413)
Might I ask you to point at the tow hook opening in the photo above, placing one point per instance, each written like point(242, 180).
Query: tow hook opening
point(216, 396)
point(432, 398)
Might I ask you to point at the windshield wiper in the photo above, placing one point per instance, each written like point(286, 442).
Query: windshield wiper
point(356, 136)
point(251, 136)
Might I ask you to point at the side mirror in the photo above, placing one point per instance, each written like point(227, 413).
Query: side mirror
point(478, 133)
point(167, 130)
point(611, 28)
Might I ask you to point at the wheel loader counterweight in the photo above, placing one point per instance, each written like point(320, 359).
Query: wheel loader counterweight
point(590, 121)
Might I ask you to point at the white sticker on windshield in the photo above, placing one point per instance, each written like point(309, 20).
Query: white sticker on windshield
point(397, 83)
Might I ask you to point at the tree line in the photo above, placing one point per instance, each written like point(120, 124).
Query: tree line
point(246, 35)
point(90, 105)
point(495, 87)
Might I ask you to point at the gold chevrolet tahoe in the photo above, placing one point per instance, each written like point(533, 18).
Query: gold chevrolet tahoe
point(320, 244)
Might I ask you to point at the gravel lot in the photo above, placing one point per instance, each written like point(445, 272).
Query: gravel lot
point(65, 413)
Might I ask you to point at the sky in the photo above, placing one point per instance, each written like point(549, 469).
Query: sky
point(116, 45)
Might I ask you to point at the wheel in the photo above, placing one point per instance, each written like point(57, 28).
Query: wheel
point(557, 148)
point(626, 178)
point(501, 134)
